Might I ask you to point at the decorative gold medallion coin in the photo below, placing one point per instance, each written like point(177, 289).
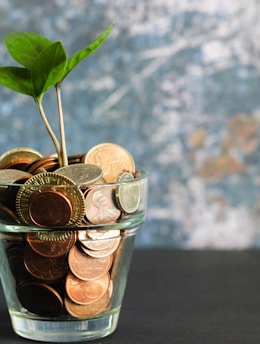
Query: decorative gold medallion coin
point(63, 194)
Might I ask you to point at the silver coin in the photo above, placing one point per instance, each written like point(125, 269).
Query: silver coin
point(128, 193)
point(81, 173)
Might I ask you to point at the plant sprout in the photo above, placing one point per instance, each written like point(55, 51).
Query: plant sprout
point(44, 65)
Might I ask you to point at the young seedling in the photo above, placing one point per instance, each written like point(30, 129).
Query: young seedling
point(44, 65)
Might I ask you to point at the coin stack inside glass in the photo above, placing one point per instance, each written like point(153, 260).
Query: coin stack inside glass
point(35, 191)
point(65, 268)
point(68, 272)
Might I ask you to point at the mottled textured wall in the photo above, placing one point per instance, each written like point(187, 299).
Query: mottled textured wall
point(177, 84)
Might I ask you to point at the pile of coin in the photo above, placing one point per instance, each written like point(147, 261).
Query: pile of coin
point(67, 269)
point(65, 272)
point(97, 187)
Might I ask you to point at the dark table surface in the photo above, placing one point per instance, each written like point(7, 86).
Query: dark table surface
point(176, 296)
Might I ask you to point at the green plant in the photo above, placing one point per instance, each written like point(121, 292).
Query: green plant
point(44, 65)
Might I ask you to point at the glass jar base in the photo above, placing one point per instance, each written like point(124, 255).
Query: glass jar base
point(64, 330)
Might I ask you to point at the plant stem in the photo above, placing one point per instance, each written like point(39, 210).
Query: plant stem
point(63, 150)
point(38, 101)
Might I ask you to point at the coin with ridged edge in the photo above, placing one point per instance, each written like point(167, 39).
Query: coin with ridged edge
point(53, 235)
point(54, 182)
point(51, 248)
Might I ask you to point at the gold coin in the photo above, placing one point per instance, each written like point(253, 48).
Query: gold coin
point(54, 182)
point(88, 268)
point(16, 156)
point(81, 173)
point(128, 193)
point(54, 235)
point(112, 158)
point(51, 248)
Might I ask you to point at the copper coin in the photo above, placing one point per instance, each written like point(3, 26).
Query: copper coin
point(112, 158)
point(86, 292)
point(47, 269)
point(88, 268)
point(100, 207)
point(50, 208)
point(46, 248)
point(76, 159)
point(11, 192)
point(85, 311)
point(46, 163)
point(40, 299)
point(15, 260)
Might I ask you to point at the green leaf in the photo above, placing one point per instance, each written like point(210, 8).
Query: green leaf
point(74, 60)
point(24, 47)
point(48, 68)
point(17, 79)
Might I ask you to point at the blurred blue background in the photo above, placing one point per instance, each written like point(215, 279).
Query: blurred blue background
point(177, 84)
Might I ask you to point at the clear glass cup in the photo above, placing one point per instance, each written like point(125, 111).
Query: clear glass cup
point(66, 283)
